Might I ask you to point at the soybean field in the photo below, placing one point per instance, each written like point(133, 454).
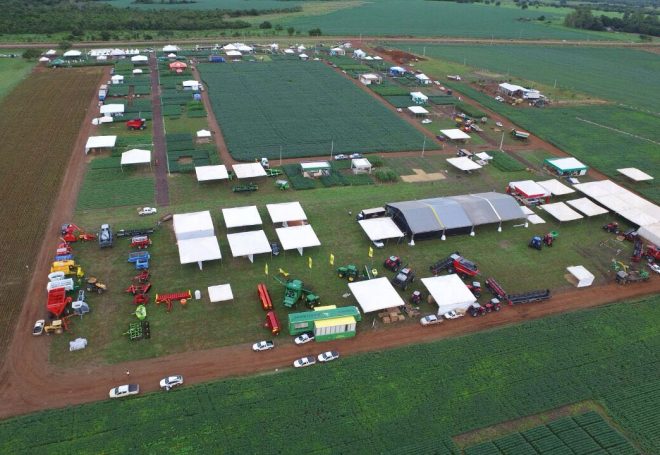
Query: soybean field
point(12, 71)
point(306, 108)
point(257, 5)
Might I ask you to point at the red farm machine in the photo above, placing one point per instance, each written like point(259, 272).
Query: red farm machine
point(272, 323)
point(264, 297)
point(136, 124)
point(57, 302)
point(515, 299)
point(167, 299)
point(72, 233)
point(455, 263)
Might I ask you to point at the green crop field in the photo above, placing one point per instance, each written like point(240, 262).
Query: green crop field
point(111, 187)
point(306, 108)
point(632, 81)
point(12, 71)
point(410, 400)
point(210, 4)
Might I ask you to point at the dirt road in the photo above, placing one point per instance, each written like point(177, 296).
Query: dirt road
point(158, 133)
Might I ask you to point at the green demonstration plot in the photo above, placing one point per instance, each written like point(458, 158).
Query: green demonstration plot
point(258, 5)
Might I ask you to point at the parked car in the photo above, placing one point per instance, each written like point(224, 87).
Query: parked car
point(263, 346)
point(426, 121)
point(124, 390)
point(304, 338)
point(304, 362)
point(430, 320)
point(171, 382)
point(275, 248)
point(328, 356)
point(341, 156)
point(147, 211)
point(653, 266)
point(499, 98)
point(39, 327)
point(355, 156)
point(452, 315)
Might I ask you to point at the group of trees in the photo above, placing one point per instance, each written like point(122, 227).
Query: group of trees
point(631, 22)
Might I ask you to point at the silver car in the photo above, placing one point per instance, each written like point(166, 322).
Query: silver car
point(328, 356)
point(304, 362)
point(171, 382)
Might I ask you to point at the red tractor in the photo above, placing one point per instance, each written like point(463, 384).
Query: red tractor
point(652, 253)
point(136, 124)
point(493, 305)
point(611, 227)
point(475, 288)
point(392, 263)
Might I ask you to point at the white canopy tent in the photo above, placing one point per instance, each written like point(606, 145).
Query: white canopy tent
point(242, 216)
point(529, 188)
point(44, 59)
point(635, 174)
point(139, 59)
point(100, 142)
point(561, 211)
point(526, 210)
point(449, 293)
point(112, 109)
point(555, 187)
point(418, 110)
point(199, 250)
point(580, 276)
point(248, 170)
point(455, 134)
point(51, 52)
point(587, 207)
point(381, 228)
point(483, 156)
point(535, 219)
point(361, 166)
point(137, 71)
point(374, 295)
point(220, 293)
point(193, 225)
point(286, 212)
point(247, 244)
point(297, 237)
point(117, 79)
point(136, 156)
point(651, 233)
point(463, 163)
point(203, 133)
point(207, 173)
point(419, 97)
point(191, 84)
point(72, 53)
point(233, 53)
point(170, 48)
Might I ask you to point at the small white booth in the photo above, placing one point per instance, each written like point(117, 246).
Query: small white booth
point(286, 212)
point(117, 79)
point(579, 276)
point(242, 216)
point(449, 293)
point(419, 98)
point(199, 250)
point(112, 109)
point(463, 163)
point(361, 166)
point(418, 111)
point(249, 170)
point(381, 228)
point(100, 142)
point(376, 294)
point(247, 244)
point(136, 156)
point(297, 237)
point(220, 293)
point(208, 173)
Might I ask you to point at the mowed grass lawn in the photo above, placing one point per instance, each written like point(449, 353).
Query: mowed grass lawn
point(304, 108)
point(12, 71)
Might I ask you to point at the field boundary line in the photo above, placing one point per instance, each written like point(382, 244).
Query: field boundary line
point(618, 131)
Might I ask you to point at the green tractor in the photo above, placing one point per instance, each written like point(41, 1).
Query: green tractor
point(348, 271)
point(294, 291)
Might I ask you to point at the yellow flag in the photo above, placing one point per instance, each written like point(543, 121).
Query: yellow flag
point(332, 259)
point(309, 262)
point(371, 252)
point(266, 269)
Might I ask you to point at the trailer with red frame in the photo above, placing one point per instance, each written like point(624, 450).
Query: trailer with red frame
point(57, 301)
point(140, 242)
point(455, 263)
point(168, 298)
point(272, 323)
point(72, 233)
point(515, 299)
point(264, 297)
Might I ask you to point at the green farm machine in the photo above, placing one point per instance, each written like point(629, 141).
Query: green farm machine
point(294, 290)
point(349, 272)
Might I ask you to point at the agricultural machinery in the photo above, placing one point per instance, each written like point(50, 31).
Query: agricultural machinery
point(455, 263)
point(392, 263)
point(134, 232)
point(612, 228)
point(475, 288)
point(57, 301)
point(105, 236)
point(142, 277)
point(167, 299)
point(476, 310)
point(138, 331)
point(58, 326)
point(72, 233)
point(403, 278)
point(416, 297)
point(538, 241)
point(140, 242)
point(348, 271)
point(294, 291)
point(245, 188)
point(632, 276)
point(264, 297)
point(638, 251)
point(68, 268)
point(652, 253)
point(136, 124)
point(493, 305)
point(140, 259)
point(139, 292)
point(93, 285)
point(272, 323)
point(515, 299)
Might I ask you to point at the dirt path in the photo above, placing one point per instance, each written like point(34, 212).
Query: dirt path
point(158, 133)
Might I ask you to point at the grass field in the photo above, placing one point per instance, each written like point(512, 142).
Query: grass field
point(12, 72)
point(632, 81)
point(115, 188)
point(34, 160)
point(410, 400)
point(211, 4)
point(303, 107)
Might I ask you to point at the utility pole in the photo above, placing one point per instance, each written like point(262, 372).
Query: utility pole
point(332, 148)
point(502, 142)
point(280, 155)
point(424, 147)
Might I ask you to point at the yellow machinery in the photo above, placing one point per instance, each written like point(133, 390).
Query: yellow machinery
point(68, 268)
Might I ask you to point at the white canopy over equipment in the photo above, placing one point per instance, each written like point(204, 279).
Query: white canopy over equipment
point(170, 48)
point(529, 189)
point(463, 163)
point(587, 207)
point(376, 294)
point(580, 276)
point(216, 172)
point(220, 293)
point(561, 211)
point(199, 250)
point(651, 233)
point(535, 219)
point(100, 142)
point(193, 225)
point(285, 212)
point(249, 170)
point(112, 109)
point(418, 110)
point(555, 187)
point(635, 174)
point(455, 134)
point(139, 58)
point(136, 156)
point(117, 79)
point(203, 133)
point(449, 293)
point(247, 244)
point(360, 166)
point(242, 216)
point(192, 84)
point(297, 237)
point(381, 228)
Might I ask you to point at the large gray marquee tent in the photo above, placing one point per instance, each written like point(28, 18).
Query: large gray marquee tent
point(438, 217)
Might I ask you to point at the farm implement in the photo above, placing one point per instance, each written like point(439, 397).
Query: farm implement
point(138, 331)
point(245, 188)
point(516, 299)
point(294, 291)
point(455, 263)
point(140, 259)
point(58, 326)
point(93, 285)
point(139, 292)
point(264, 297)
point(57, 301)
point(72, 233)
point(134, 232)
point(349, 272)
point(632, 276)
point(167, 299)
point(140, 242)
point(69, 268)
point(142, 277)
point(272, 323)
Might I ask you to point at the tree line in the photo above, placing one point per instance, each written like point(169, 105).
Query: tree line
point(631, 22)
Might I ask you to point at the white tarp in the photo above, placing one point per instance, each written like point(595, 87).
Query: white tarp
point(285, 212)
point(635, 174)
point(247, 244)
point(233, 53)
point(561, 211)
point(170, 48)
point(220, 293)
point(198, 250)
point(203, 133)
point(216, 172)
point(297, 237)
point(463, 163)
point(249, 170)
point(417, 110)
point(587, 207)
point(136, 156)
point(380, 228)
point(583, 277)
point(418, 96)
point(241, 216)
point(455, 134)
point(556, 187)
point(449, 293)
point(110, 109)
point(193, 225)
point(99, 142)
point(376, 294)
point(529, 188)
point(651, 233)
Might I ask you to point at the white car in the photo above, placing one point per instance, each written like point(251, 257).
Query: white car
point(355, 156)
point(304, 338)
point(328, 356)
point(499, 98)
point(340, 157)
point(304, 362)
point(124, 390)
point(39, 327)
point(652, 266)
point(263, 346)
point(453, 315)
point(171, 381)
point(430, 320)
point(147, 211)
point(499, 124)
point(426, 121)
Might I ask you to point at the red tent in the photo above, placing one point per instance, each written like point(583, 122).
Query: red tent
point(178, 66)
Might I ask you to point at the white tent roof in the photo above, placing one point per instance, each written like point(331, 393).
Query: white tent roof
point(313, 165)
point(422, 77)
point(220, 293)
point(530, 188)
point(199, 250)
point(377, 57)
point(206, 173)
point(139, 58)
point(297, 237)
point(101, 57)
point(535, 219)
point(370, 76)
point(360, 163)
point(136, 156)
point(483, 156)
point(587, 207)
point(289, 51)
point(51, 52)
point(376, 294)
point(418, 110)
point(582, 276)
point(511, 87)
point(303, 56)
point(381, 228)
point(95, 142)
point(44, 59)
point(72, 53)
point(233, 53)
point(241, 216)
point(192, 83)
point(286, 211)
point(455, 134)
point(249, 170)
point(463, 163)
point(171, 55)
point(109, 109)
point(567, 163)
point(635, 174)
point(555, 187)
point(526, 210)
point(419, 95)
point(651, 233)
point(193, 225)
point(203, 133)
point(449, 293)
point(117, 77)
point(244, 48)
point(137, 71)
point(229, 47)
point(561, 211)
point(248, 243)
point(170, 48)
point(397, 69)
